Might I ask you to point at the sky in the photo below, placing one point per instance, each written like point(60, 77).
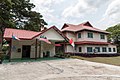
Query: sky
point(100, 13)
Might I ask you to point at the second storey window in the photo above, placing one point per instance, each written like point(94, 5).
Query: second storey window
point(90, 35)
point(79, 35)
point(102, 36)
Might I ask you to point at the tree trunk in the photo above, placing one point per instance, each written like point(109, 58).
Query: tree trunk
point(1, 52)
point(1, 37)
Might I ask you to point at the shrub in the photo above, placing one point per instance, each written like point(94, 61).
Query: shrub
point(2, 57)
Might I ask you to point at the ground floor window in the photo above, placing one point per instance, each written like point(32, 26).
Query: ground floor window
point(80, 49)
point(104, 49)
point(114, 50)
point(97, 49)
point(89, 49)
point(109, 49)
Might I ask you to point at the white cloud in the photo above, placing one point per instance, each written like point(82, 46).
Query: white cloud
point(45, 8)
point(113, 11)
point(76, 10)
point(111, 16)
point(83, 7)
point(57, 12)
point(46, 2)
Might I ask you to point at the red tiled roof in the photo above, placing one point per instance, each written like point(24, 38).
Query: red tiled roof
point(21, 34)
point(28, 35)
point(92, 43)
point(79, 27)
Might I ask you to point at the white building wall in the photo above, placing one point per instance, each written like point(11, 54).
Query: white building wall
point(71, 35)
point(69, 48)
point(14, 52)
point(52, 35)
point(96, 37)
point(84, 48)
point(18, 45)
point(84, 36)
point(44, 48)
point(32, 52)
point(112, 46)
point(48, 47)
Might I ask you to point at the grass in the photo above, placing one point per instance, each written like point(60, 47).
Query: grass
point(30, 60)
point(106, 60)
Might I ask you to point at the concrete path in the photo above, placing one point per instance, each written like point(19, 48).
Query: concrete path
point(65, 69)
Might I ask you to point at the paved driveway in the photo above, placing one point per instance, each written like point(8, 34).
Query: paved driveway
point(65, 69)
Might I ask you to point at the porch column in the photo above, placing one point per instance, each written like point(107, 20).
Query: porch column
point(36, 49)
point(10, 50)
point(40, 49)
point(64, 46)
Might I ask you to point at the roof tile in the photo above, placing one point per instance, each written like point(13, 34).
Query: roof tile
point(82, 26)
point(22, 34)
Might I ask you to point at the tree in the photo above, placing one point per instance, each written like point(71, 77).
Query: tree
point(115, 35)
point(18, 14)
point(35, 22)
point(4, 17)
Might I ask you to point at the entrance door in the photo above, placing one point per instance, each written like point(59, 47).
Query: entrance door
point(26, 51)
point(59, 49)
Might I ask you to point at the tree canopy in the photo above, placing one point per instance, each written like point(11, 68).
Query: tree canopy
point(115, 35)
point(19, 14)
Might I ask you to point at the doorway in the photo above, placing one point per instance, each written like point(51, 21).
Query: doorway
point(26, 51)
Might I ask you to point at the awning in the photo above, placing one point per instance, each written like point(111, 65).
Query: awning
point(45, 40)
point(58, 45)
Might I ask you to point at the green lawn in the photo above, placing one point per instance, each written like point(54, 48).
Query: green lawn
point(107, 60)
point(30, 60)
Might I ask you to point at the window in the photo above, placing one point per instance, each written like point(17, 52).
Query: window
point(89, 49)
point(90, 35)
point(104, 49)
point(98, 49)
point(109, 49)
point(102, 36)
point(79, 35)
point(80, 49)
point(114, 50)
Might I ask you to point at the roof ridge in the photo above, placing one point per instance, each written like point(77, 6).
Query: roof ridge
point(77, 24)
point(22, 30)
point(83, 22)
point(71, 24)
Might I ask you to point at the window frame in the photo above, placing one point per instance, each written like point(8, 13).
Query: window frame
point(109, 49)
point(90, 35)
point(114, 49)
point(104, 49)
point(102, 36)
point(79, 35)
point(90, 50)
point(98, 49)
point(80, 49)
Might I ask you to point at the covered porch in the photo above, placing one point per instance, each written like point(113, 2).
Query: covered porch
point(34, 47)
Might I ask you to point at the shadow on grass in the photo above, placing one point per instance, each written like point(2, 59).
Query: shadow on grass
point(30, 60)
